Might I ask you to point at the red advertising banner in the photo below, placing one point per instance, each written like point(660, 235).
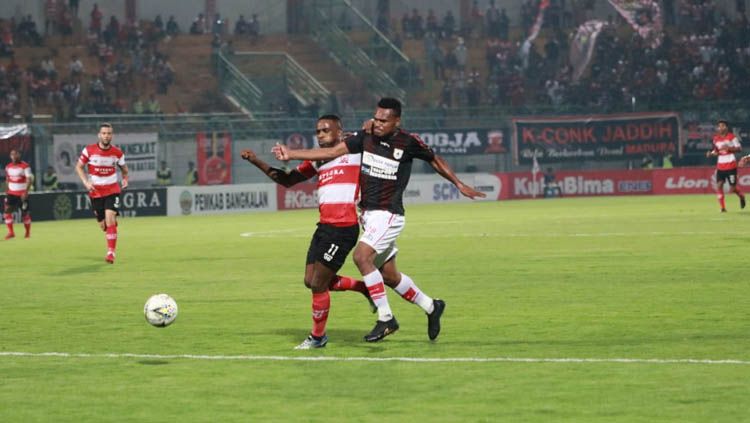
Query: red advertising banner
point(521, 185)
point(694, 180)
point(214, 158)
point(582, 183)
point(685, 180)
point(300, 196)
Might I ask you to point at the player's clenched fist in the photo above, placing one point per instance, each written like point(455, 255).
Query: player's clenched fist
point(248, 155)
point(280, 151)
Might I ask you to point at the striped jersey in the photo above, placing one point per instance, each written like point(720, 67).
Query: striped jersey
point(102, 168)
point(386, 167)
point(726, 160)
point(17, 175)
point(338, 188)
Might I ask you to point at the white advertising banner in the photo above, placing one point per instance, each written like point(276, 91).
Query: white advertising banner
point(220, 199)
point(436, 189)
point(139, 149)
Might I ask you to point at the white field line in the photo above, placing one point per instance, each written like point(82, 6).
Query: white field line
point(297, 233)
point(373, 359)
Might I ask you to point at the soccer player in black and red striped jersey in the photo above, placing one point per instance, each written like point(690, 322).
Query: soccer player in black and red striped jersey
point(387, 153)
point(338, 228)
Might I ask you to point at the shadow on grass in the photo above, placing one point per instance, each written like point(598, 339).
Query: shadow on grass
point(153, 362)
point(92, 267)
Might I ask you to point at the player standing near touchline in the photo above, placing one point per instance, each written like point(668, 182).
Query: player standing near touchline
point(19, 179)
point(387, 153)
point(102, 160)
point(725, 144)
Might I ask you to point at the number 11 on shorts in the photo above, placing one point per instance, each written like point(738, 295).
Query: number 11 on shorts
point(331, 252)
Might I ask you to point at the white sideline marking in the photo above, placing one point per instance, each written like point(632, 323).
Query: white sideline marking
point(567, 235)
point(376, 359)
point(272, 234)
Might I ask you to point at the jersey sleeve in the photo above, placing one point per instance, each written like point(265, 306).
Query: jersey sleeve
point(84, 156)
point(121, 159)
point(355, 143)
point(307, 169)
point(27, 171)
point(736, 142)
point(420, 150)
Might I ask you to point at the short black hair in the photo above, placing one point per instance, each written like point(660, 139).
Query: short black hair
point(725, 122)
point(105, 125)
point(392, 104)
point(332, 117)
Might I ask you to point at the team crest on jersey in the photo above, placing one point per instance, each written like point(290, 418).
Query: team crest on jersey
point(397, 153)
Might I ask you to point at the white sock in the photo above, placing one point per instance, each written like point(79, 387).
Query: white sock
point(411, 292)
point(376, 288)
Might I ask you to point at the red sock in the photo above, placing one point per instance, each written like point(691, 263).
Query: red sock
point(111, 238)
point(720, 196)
point(9, 222)
point(27, 223)
point(321, 303)
point(346, 283)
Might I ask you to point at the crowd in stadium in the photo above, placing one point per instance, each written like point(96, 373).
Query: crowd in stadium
point(129, 68)
point(704, 55)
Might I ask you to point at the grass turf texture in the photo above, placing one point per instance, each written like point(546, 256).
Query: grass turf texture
point(636, 277)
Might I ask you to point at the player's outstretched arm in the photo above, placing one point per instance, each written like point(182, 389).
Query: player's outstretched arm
point(282, 152)
point(442, 167)
point(286, 179)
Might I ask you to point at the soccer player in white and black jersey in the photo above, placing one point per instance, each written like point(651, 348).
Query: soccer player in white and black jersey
point(387, 153)
point(338, 228)
point(102, 160)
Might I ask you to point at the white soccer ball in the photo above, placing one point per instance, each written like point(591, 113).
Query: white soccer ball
point(160, 310)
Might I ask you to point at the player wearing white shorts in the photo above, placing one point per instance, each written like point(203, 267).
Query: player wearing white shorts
point(387, 154)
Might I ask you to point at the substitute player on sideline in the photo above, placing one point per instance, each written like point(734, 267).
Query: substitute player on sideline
point(338, 228)
point(725, 145)
point(19, 178)
point(102, 160)
point(387, 154)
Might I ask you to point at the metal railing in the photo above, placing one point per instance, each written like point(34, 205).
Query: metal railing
point(240, 89)
point(274, 123)
point(341, 48)
point(379, 47)
point(280, 75)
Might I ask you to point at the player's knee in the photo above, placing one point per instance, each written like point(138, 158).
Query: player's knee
point(319, 285)
point(361, 258)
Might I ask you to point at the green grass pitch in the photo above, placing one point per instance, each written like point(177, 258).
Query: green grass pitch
point(638, 278)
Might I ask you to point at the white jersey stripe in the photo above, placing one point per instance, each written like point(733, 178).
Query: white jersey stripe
point(337, 193)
